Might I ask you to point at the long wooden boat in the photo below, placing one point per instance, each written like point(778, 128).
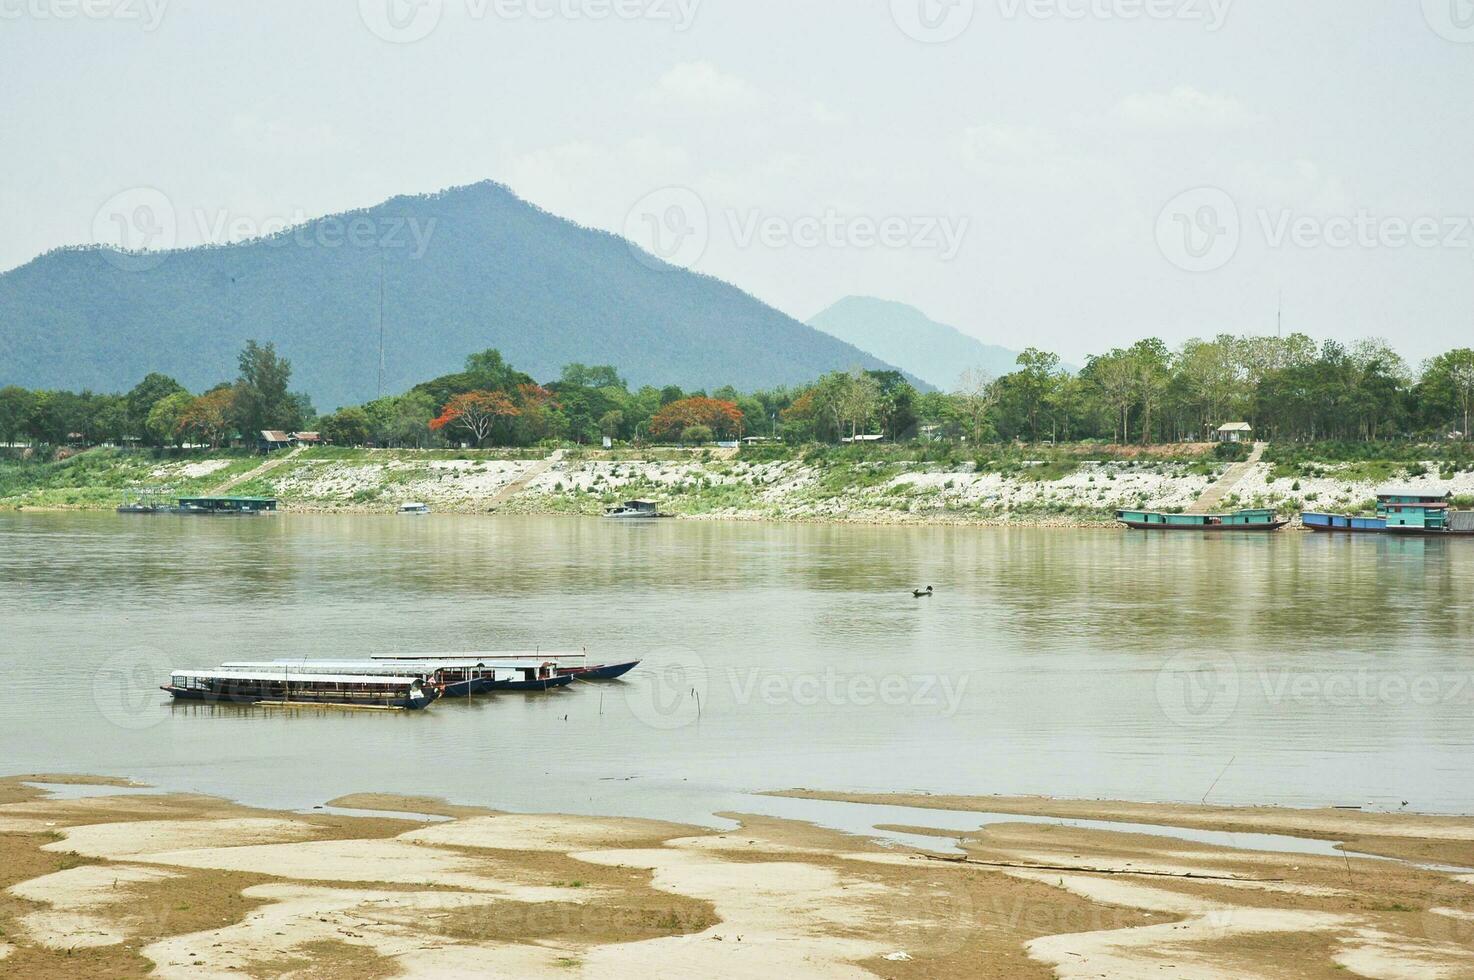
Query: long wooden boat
point(454, 681)
point(1343, 524)
point(1239, 522)
point(460, 678)
point(573, 664)
point(288, 687)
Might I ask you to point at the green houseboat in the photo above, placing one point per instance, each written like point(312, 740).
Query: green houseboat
point(1240, 521)
point(1424, 514)
point(227, 506)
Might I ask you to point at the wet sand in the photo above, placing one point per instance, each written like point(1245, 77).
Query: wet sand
point(191, 886)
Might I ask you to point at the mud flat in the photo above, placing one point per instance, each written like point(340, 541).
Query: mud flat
point(130, 883)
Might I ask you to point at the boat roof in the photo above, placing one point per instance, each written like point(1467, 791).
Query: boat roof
point(382, 667)
point(462, 659)
point(256, 675)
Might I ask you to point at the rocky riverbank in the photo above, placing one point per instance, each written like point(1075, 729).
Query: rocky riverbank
point(1054, 490)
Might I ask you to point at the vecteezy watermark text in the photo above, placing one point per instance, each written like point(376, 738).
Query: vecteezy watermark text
point(147, 13)
point(410, 233)
point(141, 225)
point(940, 21)
point(861, 690)
point(674, 225)
point(407, 21)
point(1212, 14)
point(1206, 690)
point(1202, 230)
point(939, 233)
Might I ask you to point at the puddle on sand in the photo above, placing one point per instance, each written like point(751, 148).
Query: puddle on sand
point(864, 820)
point(346, 811)
point(77, 791)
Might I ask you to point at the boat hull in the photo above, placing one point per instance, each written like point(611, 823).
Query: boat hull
point(466, 689)
point(542, 684)
point(602, 673)
point(1208, 528)
point(306, 700)
point(1428, 532)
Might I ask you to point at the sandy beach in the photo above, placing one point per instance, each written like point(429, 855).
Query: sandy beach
point(131, 884)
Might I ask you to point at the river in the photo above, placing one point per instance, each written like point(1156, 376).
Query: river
point(1284, 669)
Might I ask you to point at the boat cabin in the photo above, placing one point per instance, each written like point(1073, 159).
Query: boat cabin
point(1244, 520)
point(636, 509)
point(279, 686)
point(1402, 498)
point(227, 505)
point(1419, 517)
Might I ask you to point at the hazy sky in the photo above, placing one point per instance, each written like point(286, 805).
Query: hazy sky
point(1066, 173)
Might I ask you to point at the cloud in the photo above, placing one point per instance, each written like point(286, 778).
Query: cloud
point(1182, 108)
point(701, 85)
point(1001, 150)
point(825, 116)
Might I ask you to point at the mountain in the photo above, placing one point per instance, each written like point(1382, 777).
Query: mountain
point(908, 338)
point(463, 270)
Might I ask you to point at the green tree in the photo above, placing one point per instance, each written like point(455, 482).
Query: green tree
point(144, 396)
point(263, 399)
point(347, 427)
point(976, 396)
point(1035, 385)
point(1447, 389)
point(16, 405)
point(166, 418)
point(598, 376)
point(695, 435)
point(1150, 358)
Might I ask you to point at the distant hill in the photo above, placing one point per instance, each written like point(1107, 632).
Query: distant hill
point(494, 271)
point(908, 338)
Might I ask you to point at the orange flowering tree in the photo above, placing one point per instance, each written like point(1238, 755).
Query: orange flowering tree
point(476, 412)
point(208, 417)
point(722, 417)
point(537, 408)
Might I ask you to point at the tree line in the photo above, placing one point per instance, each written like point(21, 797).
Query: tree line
point(1288, 389)
point(159, 411)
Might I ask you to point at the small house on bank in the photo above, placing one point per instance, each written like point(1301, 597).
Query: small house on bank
point(273, 440)
point(1235, 432)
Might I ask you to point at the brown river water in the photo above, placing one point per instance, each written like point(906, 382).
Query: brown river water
point(1289, 669)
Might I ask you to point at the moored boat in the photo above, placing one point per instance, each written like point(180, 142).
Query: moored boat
point(602, 672)
point(1343, 523)
point(1240, 521)
point(453, 680)
point(284, 687)
point(414, 510)
point(456, 677)
point(636, 510)
point(1407, 513)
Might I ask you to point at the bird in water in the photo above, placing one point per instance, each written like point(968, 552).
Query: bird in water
point(919, 594)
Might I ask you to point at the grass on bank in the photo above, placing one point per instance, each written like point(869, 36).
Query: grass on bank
point(98, 478)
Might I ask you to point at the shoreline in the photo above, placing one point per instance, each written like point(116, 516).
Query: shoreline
point(1062, 488)
point(861, 520)
point(188, 885)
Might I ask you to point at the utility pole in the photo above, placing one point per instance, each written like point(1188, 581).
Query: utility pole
point(381, 325)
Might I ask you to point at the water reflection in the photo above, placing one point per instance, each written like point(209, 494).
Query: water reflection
point(1328, 669)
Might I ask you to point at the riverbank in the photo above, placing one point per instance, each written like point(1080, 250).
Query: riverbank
point(1063, 486)
point(188, 886)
